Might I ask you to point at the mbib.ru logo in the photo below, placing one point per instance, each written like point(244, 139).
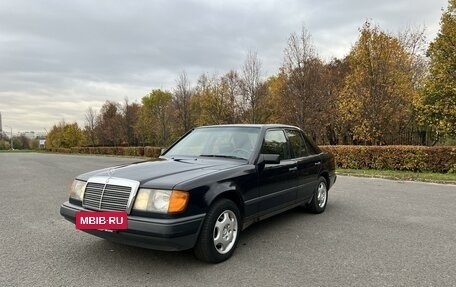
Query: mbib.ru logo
point(101, 220)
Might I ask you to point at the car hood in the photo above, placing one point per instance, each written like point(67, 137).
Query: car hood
point(165, 173)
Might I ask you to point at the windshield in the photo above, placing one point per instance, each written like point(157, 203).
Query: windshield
point(232, 142)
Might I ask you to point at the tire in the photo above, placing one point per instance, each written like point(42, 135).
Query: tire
point(320, 198)
point(220, 232)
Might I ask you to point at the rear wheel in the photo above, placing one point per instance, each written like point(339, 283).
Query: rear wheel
point(220, 232)
point(320, 197)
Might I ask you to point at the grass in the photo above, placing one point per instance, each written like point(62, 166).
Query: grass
point(401, 175)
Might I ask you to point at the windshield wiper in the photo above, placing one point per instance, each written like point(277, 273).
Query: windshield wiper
point(222, 156)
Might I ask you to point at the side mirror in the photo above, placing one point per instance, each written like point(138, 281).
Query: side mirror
point(267, 158)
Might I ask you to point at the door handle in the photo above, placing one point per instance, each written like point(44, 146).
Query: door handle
point(293, 169)
point(318, 163)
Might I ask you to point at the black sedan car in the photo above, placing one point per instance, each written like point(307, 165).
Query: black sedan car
point(206, 188)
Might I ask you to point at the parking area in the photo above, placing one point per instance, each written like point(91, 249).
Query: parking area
point(374, 233)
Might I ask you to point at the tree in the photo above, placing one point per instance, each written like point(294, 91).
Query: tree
point(144, 128)
point(305, 97)
point(109, 125)
point(213, 102)
point(181, 100)
point(89, 129)
point(414, 42)
point(231, 86)
point(251, 86)
point(5, 144)
point(334, 77)
point(439, 103)
point(376, 101)
point(275, 103)
point(156, 116)
point(64, 135)
point(72, 135)
point(21, 142)
point(129, 118)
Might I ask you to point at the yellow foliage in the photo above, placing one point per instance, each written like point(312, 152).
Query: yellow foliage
point(378, 93)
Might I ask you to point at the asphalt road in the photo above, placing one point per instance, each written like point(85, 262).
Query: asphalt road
point(374, 233)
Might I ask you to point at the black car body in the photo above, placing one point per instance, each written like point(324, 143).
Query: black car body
point(225, 188)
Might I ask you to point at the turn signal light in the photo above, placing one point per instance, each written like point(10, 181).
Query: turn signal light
point(178, 201)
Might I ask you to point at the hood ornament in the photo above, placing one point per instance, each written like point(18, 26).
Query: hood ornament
point(110, 173)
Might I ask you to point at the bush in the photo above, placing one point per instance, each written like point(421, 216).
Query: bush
point(153, 152)
point(130, 151)
point(409, 158)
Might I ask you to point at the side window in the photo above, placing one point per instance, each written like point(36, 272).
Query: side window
point(311, 148)
point(275, 142)
point(298, 145)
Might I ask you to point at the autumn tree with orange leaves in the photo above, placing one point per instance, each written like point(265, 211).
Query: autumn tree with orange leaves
point(439, 101)
point(376, 101)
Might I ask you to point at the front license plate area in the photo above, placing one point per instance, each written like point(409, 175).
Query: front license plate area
point(108, 221)
point(107, 230)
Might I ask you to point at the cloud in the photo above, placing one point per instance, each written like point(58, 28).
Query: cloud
point(60, 57)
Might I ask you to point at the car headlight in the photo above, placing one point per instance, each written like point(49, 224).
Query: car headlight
point(77, 189)
point(161, 201)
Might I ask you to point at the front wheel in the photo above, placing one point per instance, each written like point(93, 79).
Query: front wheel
point(220, 232)
point(320, 197)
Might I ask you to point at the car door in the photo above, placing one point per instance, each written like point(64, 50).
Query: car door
point(277, 182)
point(307, 160)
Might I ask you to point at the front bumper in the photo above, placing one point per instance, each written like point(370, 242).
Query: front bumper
point(158, 234)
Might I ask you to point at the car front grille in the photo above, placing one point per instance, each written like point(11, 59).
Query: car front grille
point(110, 193)
point(101, 196)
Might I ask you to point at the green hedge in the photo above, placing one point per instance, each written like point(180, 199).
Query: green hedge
point(411, 158)
point(147, 151)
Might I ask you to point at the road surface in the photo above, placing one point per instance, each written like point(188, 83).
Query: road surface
point(374, 233)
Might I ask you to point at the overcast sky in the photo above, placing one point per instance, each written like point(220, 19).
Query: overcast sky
point(58, 58)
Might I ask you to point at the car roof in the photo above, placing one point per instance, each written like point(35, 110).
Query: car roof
point(265, 126)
